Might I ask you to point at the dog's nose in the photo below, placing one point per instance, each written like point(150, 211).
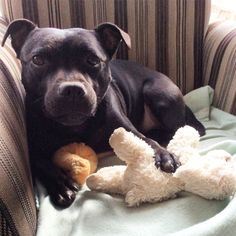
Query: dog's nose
point(71, 89)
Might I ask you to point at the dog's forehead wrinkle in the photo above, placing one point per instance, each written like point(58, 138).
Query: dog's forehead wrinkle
point(49, 40)
point(42, 38)
point(86, 39)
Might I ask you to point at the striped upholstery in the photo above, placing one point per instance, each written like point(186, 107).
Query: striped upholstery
point(220, 64)
point(17, 204)
point(167, 35)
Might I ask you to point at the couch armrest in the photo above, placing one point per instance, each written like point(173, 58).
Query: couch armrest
point(17, 201)
point(219, 64)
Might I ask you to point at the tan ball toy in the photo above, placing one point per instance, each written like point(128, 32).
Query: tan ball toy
point(78, 159)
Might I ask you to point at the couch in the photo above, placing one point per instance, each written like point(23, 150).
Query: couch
point(171, 36)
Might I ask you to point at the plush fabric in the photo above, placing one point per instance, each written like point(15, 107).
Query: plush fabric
point(167, 35)
point(211, 176)
point(101, 214)
point(17, 204)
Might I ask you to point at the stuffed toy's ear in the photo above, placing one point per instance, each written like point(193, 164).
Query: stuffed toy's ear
point(110, 36)
point(18, 30)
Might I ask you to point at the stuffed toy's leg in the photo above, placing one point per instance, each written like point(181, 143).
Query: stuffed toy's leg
point(134, 197)
point(211, 176)
point(107, 179)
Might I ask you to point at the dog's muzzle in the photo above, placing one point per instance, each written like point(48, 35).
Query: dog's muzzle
point(70, 102)
point(72, 90)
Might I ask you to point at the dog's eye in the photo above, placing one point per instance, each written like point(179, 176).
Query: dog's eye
point(93, 60)
point(38, 60)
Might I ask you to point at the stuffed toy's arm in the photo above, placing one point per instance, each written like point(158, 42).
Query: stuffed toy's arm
point(184, 144)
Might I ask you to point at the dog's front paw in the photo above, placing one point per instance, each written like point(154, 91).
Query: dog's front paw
point(62, 190)
point(166, 161)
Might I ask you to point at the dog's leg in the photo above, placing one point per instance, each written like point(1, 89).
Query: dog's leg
point(60, 187)
point(165, 101)
point(163, 158)
point(166, 104)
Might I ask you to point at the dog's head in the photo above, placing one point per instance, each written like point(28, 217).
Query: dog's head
point(66, 71)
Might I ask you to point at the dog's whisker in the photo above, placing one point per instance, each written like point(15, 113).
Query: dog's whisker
point(36, 101)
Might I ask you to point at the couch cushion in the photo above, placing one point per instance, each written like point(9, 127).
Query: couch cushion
point(17, 204)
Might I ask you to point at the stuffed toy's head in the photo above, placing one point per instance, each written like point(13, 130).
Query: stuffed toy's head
point(212, 176)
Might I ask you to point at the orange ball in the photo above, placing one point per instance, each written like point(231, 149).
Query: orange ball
point(78, 159)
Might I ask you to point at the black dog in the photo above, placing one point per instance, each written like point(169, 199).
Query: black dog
point(74, 92)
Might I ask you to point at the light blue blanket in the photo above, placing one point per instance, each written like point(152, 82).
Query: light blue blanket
point(98, 214)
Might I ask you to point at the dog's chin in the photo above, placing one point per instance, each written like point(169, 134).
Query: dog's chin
point(68, 114)
point(71, 119)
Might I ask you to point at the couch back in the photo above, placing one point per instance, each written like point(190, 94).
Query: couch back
point(167, 35)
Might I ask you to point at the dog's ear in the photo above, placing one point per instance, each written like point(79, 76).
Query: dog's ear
point(18, 30)
point(110, 36)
